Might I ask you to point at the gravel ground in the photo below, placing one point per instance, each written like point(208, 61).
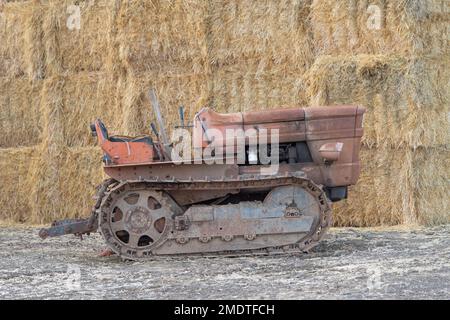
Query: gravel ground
point(348, 264)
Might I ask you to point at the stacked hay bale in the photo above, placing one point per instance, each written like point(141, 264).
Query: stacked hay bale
point(406, 27)
point(161, 44)
point(68, 104)
point(15, 183)
point(12, 60)
point(232, 55)
point(20, 123)
point(58, 73)
point(162, 37)
point(258, 52)
point(397, 67)
point(22, 51)
point(77, 36)
point(55, 80)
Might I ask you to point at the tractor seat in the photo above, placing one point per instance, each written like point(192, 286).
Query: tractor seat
point(146, 139)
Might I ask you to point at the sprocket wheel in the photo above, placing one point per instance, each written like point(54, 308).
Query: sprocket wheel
point(136, 221)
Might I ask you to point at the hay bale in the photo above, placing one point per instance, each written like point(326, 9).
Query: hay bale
point(21, 52)
point(380, 26)
point(431, 182)
point(246, 87)
point(269, 32)
point(64, 183)
point(11, 36)
point(16, 186)
point(373, 200)
point(20, 123)
point(191, 91)
point(42, 39)
point(77, 47)
point(71, 103)
point(81, 172)
point(407, 100)
point(165, 37)
point(398, 186)
point(64, 168)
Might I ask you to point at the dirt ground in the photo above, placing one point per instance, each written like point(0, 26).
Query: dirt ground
point(348, 264)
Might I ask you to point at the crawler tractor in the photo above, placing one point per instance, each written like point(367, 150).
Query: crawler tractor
point(154, 204)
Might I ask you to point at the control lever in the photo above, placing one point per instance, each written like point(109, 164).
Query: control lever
point(155, 131)
point(181, 111)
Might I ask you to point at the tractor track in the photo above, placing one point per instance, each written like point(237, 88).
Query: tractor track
point(110, 188)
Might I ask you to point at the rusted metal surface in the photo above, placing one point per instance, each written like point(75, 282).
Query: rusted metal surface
point(320, 127)
point(277, 115)
point(293, 217)
point(125, 150)
point(339, 174)
point(187, 198)
point(130, 227)
point(68, 226)
point(170, 169)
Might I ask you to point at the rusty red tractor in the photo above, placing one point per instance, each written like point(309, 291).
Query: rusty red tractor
point(230, 202)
